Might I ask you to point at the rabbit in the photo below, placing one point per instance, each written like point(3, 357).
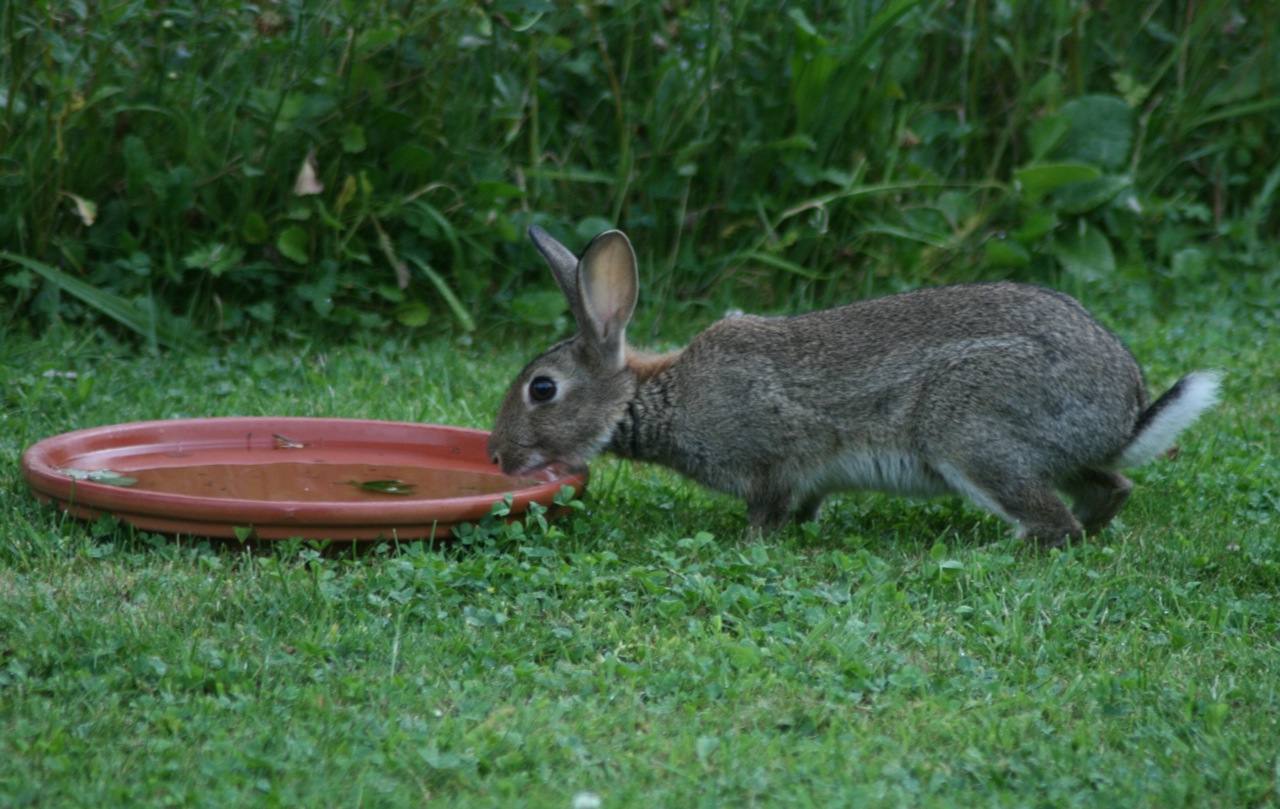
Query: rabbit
point(1002, 392)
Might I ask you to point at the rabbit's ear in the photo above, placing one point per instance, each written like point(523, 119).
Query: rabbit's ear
point(563, 263)
point(607, 290)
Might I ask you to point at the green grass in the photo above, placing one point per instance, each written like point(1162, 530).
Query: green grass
point(901, 653)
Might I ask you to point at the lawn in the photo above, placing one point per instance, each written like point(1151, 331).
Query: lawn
point(638, 652)
point(317, 208)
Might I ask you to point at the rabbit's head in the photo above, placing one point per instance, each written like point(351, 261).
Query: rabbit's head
point(564, 406)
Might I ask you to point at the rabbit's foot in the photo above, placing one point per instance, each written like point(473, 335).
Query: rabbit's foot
point(768, 511)
point(1097, 495)
point(809, 510)
point(1044, 520)
point(1030, 504)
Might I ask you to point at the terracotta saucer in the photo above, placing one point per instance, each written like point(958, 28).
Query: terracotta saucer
point(343, 479)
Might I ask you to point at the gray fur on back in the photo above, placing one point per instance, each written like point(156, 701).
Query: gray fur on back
point(1000, 392)
point(1013, 369)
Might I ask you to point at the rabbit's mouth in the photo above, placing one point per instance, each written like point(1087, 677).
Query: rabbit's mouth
point(549, 469)
point(536, 465)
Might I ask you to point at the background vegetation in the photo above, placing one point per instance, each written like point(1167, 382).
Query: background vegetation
point(185, 169)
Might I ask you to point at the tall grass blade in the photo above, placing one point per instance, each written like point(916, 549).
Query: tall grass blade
point(886, 18)
point(777, 262)
point(459, 311)
point(1245, 110)
point(123, 311)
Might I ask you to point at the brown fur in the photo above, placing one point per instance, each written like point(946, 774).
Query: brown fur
point(646, 365)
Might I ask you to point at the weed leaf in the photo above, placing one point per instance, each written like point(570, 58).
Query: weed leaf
point(105, 476)
point(390, 486)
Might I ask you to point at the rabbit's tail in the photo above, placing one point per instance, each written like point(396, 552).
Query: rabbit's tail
point(1169, 415)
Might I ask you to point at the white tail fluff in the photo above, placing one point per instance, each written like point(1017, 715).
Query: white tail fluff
point(1176, 410)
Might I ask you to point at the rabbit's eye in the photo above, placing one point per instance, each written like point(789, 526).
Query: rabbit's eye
point(542, 389)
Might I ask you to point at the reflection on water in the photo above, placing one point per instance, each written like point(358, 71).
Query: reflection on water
point(327, 482)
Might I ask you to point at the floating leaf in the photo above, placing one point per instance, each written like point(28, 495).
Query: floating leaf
point(105, 476)
point(390, 486)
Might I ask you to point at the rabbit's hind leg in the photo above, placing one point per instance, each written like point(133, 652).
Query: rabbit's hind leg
point(1028, 503)
point(770, 508)
point(1097, 496)
point(810, 509)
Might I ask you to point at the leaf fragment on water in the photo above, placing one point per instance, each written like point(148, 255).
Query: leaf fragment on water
point(391, 486)
point(100, 476)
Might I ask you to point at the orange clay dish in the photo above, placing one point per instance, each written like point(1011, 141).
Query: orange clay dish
point(279, 478)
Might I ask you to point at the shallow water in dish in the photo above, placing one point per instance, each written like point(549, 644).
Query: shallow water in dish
point(317, 481)
point(282, 477)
